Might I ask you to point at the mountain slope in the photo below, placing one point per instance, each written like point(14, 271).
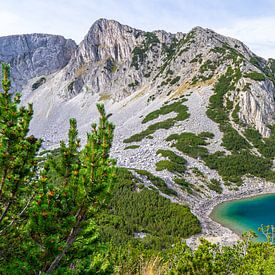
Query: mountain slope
point(195, 109)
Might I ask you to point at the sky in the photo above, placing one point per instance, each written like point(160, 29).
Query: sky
point(251, 21)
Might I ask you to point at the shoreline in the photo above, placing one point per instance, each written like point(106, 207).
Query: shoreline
point(214, 231)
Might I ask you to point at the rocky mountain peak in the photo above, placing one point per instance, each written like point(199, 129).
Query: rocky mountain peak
point(34, 55)
point(115, 62)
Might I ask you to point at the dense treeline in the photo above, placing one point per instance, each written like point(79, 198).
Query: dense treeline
point(134, 209)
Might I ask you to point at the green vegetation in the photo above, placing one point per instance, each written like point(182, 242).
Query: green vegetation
point(131, 147)
point(208, 65)
point(246, 257)
point(233, 167)
point(157, 182)
point(190, 144)
point(166, 109)
point(271, 64)
point(198, 59)
point(175, 164)
point(133, 208)
point(197, 172)
point(177, 107)
point(184, 184)
point(170, 50)
point(228, 53)
point(176, 48)
point(215, 185)
point(216, 111)
point(175, 80)
point(166, 124)
point(235, 113)
point(265, 146)
point(255, 76)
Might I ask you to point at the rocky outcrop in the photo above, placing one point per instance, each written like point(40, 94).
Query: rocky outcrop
point(109, 60)
point(34, 55)
point(257, 105)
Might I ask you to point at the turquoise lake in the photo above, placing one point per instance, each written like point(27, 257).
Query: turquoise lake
point(246, 214)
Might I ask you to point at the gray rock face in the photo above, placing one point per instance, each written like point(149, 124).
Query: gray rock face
point(34, 55)
point(257, 106)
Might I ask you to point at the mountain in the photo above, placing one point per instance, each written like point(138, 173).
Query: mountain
point(34, 55)
point(195, 109)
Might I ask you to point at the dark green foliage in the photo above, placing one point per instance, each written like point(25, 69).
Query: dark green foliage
point(246, 257)
point(216, 111)
point(145, 211)
point(215, 185)
point(175, 164)
point(158, 182)
point(208, 65)
point(235, 113)
point(226, 52)
point(271, 64)
point(184, 184)
point(198, 58)
point(255, 76)
point(175, 80)
point(166, 109)
point(177, 107)
point(265, 146)
point(232, 140)
point(139, 55)
point(197, 172)
point(176, 48)
point(190, 144)
point(166, 124)
point(170, 50)
point(205, 135)
point(131, 147)
point(225, 83)
point(233, 167)
point(38, 83)
point(18, 151)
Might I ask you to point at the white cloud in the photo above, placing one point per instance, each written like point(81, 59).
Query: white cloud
point(257, 33)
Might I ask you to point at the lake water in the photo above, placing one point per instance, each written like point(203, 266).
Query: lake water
point(246, 214)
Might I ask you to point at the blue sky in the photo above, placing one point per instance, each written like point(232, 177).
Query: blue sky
point(251, 21)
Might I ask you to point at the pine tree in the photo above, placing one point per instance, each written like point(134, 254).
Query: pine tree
point(17, 154)
point(62, 211)
point(44, 211)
